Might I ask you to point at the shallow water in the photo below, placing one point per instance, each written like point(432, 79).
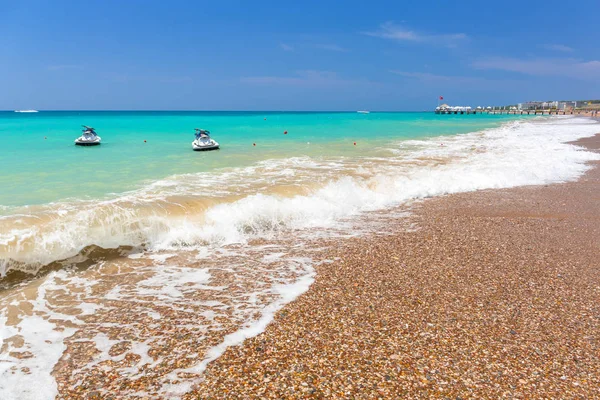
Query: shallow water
point(40, 164)
point(171, 256)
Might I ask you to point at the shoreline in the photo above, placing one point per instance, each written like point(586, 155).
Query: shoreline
point(146, 324)
point(495, 294)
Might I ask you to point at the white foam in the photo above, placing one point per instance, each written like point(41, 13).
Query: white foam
point(518, 153)
point(30, 378)
point(135, 256)
point(268, 282)
point(285, 292)
point(161, 258)
point(173, 282)
point(43, 331)
point(88, 308)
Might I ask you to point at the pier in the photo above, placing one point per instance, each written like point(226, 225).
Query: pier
point(528, 108)
point(508, 112)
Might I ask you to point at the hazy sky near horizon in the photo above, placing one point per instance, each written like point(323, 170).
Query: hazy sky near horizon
point(301, 55)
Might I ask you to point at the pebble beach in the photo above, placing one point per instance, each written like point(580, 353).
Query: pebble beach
point(493, 294)
point(460, 266)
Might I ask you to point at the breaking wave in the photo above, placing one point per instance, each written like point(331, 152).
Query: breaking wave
point(237, 205)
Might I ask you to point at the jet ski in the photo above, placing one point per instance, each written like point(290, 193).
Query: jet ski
point(88, 138)
point(203, 141)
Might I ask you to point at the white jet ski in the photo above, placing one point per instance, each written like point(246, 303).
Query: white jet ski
point(203, 141)
point(88, 138)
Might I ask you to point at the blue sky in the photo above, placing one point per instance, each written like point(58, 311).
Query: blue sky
point(300, 55)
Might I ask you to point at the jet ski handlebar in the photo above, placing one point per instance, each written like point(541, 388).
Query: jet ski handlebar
point(88, 129)
point(200, 132)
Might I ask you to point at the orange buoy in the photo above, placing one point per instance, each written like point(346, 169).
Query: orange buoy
point(355, 143)
point(253, 144)
point(285, 132)
point(144, 140)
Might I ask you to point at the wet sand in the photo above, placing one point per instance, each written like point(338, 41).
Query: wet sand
point(496, 294)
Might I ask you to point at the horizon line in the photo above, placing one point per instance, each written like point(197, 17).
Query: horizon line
point(255, 111)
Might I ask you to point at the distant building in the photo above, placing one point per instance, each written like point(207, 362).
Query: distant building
point(531, 105)
point(542, 105)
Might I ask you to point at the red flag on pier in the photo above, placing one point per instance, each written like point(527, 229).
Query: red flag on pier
point(441, 97)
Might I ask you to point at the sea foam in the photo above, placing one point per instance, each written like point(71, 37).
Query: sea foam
point(235, 206)
point(172, 216)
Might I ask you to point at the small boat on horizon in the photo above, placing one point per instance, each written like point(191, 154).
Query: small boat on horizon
point(363, 112)
point(88, 138)
point(26, 111)
point(203, 141)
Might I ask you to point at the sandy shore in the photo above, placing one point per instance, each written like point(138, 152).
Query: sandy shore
point(496, 294)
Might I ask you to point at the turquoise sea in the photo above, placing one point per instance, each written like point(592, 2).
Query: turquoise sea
point(111, 254)
point(40, 163)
